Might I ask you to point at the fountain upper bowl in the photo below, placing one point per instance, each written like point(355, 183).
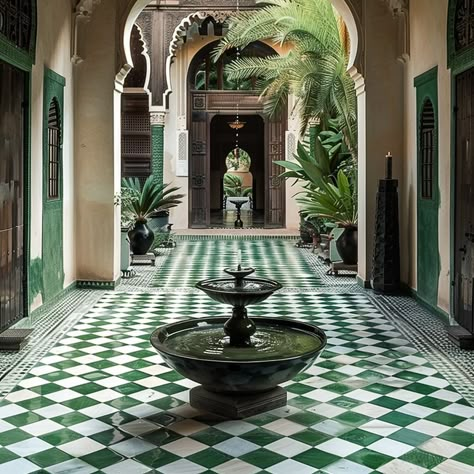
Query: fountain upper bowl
point(252, 291)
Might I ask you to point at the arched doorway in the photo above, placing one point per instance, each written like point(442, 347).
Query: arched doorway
point(211, 94)
point(251, 142)
point(175, 42)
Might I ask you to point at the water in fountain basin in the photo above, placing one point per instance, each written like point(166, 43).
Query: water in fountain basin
point(247, 285)
point(269, 343)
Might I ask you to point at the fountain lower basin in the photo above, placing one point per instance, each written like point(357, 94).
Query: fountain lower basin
point(200, 351)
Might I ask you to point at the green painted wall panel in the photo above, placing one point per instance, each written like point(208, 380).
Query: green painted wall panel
point(52, 248)
point(428, 259)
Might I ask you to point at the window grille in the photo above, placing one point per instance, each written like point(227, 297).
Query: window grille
point(54, 150)
point(16, 19)
point(427, 144)
point(464, 24)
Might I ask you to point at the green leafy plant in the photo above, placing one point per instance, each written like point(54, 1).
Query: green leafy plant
point(233, 186)
point(321, 161)
point(315, 69)
point(336, 203)
point(241, 163)
point(139, 203)
point(163, 240)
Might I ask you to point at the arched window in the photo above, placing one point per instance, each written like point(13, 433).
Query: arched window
point(464, 24)
point(205, 74)
point(54, 149)
point(427, 149)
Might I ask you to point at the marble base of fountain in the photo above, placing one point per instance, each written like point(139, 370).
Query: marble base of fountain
point(239, 405)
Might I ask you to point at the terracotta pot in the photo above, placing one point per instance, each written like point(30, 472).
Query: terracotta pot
point(347, 245)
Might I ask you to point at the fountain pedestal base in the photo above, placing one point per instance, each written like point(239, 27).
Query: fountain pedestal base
point(239, 405)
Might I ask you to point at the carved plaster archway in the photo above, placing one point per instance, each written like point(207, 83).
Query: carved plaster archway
point(350, 10)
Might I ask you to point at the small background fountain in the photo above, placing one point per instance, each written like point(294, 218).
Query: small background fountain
point(239, 362)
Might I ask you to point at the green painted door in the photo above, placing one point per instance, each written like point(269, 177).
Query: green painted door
point(52, 249)
point(428, 261)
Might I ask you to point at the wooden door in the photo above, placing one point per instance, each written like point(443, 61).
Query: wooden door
point(275, 195)
point(12, 103)
point(199, 202)
point(464, 228)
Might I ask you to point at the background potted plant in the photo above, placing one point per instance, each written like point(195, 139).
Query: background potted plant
point(233, 186)
point(336, 203)
point(329, 194)
point(139, 203)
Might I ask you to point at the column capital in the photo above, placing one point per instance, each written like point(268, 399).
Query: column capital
point(158, 118)
point(313, 121)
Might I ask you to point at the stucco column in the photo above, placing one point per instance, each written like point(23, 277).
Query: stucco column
point(96, 145)
point(157, 120)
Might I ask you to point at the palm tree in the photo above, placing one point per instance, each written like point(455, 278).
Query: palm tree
point(315, 68)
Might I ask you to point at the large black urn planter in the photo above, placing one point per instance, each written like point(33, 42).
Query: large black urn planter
point(141, 238)
point(347, 245)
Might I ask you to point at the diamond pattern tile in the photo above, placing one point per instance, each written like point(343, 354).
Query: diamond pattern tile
point(271, 258)
point(103, 401)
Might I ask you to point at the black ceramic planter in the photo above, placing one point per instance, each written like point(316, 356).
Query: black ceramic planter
point(347, 246)
point(141, 238)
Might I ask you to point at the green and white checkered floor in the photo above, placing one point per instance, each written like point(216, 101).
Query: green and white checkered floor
point(103, 401)
point(272, 258)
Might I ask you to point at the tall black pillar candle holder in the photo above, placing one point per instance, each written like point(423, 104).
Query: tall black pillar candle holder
point(386, 258)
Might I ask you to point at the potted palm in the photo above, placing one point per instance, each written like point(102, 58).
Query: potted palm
point(139, 203)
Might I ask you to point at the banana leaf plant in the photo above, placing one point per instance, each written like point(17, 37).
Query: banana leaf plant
point(334, 202)
point(320, 159)
point(233, 186)
point(139, 203)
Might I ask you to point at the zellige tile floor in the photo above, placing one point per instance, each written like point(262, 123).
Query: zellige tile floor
point(103, 401)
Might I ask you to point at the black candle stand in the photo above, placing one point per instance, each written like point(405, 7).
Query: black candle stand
point(386, 258)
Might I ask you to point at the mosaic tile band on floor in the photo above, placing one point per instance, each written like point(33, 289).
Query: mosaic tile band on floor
point(383, 398)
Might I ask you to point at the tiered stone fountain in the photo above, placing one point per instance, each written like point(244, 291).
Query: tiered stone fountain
point(239, 362)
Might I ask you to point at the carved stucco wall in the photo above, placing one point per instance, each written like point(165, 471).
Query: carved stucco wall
point(190, 11)
point(128, 10)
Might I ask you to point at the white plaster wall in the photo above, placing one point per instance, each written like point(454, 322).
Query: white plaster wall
point(52, 51)
point(428, 23)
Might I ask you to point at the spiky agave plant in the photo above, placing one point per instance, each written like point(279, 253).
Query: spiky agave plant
point(139, 203)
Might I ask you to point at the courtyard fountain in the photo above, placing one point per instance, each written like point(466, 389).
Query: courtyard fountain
point(239, 362)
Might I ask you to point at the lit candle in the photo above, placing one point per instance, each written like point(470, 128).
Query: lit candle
point(239, 259)
point(389, 165)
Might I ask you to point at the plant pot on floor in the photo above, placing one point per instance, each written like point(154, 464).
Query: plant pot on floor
point(158, 221)
point(141, 238)
point(347, 246)
point(124, 250)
